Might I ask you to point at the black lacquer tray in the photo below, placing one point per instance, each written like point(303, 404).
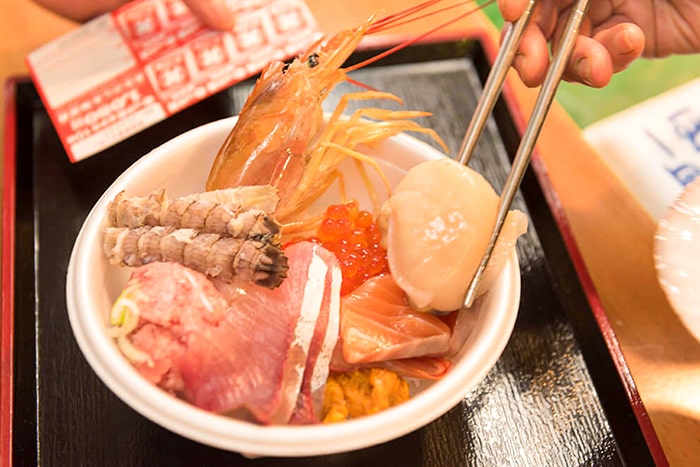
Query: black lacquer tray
point(559, 395)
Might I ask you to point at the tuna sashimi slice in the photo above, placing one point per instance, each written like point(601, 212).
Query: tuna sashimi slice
point(310, 401)
point(377, 324)
point(254, 361)
point(161, 303)
point(170, 294)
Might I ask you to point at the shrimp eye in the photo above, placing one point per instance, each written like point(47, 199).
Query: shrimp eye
point(313, 60)
point(285, 67)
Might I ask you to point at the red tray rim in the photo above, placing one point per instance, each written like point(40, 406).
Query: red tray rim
point(8, 279)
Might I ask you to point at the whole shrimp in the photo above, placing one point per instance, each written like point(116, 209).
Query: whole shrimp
point(281, 138)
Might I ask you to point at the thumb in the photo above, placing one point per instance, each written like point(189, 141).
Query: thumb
point(217, 14)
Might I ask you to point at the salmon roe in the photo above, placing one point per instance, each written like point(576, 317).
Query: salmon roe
point(353, 236)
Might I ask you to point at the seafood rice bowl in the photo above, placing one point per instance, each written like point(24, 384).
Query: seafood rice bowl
point(180, 167)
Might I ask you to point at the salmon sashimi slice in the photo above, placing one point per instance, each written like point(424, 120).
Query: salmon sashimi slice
point(419, 367)
point(377, 324)
point(430, 368)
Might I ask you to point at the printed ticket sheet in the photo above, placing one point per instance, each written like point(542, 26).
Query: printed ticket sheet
point(129, 69)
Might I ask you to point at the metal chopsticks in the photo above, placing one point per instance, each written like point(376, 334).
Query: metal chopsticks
point(492, 88)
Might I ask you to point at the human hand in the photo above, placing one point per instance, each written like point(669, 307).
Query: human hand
point(218, 14)
point(613, 34)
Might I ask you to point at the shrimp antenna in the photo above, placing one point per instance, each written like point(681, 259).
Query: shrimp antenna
point(421, 36)
point(388, 19)
point(394, 20)
point(360, 84)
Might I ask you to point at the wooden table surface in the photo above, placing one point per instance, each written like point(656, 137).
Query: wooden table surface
point(613, 233)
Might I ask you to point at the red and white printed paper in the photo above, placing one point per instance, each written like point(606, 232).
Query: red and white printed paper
point(129, 69)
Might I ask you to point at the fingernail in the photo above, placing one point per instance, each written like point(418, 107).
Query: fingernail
point(583, 71)
point(626, 42)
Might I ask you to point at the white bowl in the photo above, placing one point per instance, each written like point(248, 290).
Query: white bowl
point(677, 256)
point(181, 166)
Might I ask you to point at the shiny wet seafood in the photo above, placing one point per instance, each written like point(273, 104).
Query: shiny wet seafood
point(281, 138)
point(241, 212)
point(362, 392)
point(437, 224)
point(259, 354)
point(220, 256)
point(224, 244)
point(377, 324)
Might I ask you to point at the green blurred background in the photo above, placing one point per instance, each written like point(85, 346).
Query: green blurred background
point(642, 80)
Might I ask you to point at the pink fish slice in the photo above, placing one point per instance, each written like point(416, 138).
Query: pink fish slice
point(310, 401)
point(253, 363)
point(377, 324)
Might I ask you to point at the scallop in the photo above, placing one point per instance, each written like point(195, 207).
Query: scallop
point(677, 256)
point(437, 225)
